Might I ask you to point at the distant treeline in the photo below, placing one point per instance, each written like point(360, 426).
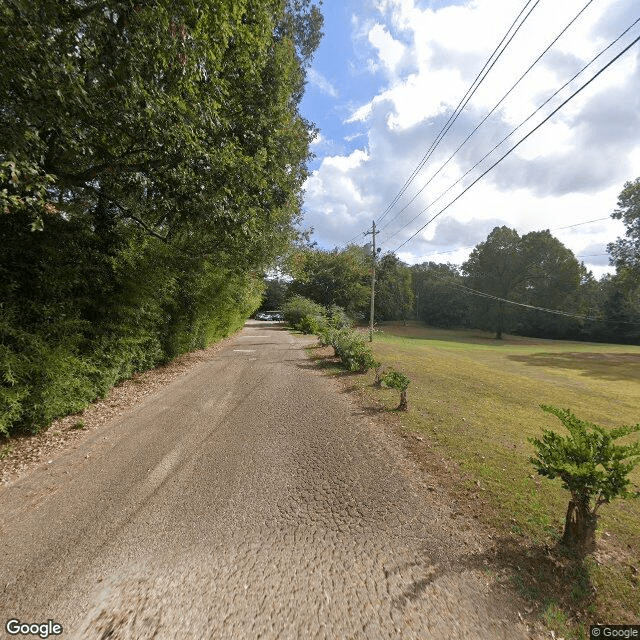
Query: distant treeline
point(528, 285)
point(151, 162)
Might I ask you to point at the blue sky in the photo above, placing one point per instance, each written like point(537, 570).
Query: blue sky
point(389, 73)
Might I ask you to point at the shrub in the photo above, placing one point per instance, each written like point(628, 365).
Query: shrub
point(311, 324)
point(351, 348)
point(337, 317)
point(396, 380)
point(592, 468)
point(304, 314)
point(333, 327)
point(326, 335)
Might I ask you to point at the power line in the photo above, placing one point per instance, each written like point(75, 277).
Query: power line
point(483, 294)
point(577, 224)
point(580, 223)
point(488, 115)
point(553, 95)
point(573, 95)
point(490, 296)
point(479, 79)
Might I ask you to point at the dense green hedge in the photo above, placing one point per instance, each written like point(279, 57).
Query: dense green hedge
point(333, 327)
point(65, 341)
point(152, 157)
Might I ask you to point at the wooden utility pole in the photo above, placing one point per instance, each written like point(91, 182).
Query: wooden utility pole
point(373, 276)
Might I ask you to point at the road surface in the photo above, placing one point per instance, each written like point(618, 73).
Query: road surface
point(247, 499)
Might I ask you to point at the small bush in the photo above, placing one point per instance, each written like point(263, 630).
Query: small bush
point(326, 335)
point(333, 327)
point(351, 348)
point(311, 324)
point(304, 315)
point(337, 317)
point(592, 468)
point(396, 380)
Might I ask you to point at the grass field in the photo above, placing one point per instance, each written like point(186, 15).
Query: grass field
point(475, 400)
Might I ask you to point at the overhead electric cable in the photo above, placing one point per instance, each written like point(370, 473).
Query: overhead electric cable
point(578, 224)
point(482, 294)
point(497, 162)
point(488, 115)
point(553, 95)
point(463, 102)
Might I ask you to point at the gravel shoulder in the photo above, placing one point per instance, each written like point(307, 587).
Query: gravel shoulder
point(241, 494)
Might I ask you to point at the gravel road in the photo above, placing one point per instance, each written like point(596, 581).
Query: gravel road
point(247, 499)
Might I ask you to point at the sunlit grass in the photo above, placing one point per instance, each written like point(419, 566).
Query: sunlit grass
point(477, 401)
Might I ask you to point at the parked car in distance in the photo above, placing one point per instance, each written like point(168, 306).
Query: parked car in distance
point(274, 316)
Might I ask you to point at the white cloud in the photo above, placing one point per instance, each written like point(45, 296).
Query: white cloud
point(569, 171)
point(390, 51)
point(318, 80)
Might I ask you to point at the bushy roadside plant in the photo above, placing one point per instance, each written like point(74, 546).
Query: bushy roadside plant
point(396, 380)
point(333, 327)
point(352, 350)
point(592, 468)
point(304, 315)
point(337, 317)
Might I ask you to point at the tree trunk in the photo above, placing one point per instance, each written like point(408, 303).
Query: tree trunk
point(500, 322)
point(403, 406)
point(580, 527)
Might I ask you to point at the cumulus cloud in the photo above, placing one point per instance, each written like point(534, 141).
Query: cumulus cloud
point(389, 51)
point(318, 80)
point(573, 167)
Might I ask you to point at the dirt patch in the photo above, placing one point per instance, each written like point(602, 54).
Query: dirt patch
point(23, 454)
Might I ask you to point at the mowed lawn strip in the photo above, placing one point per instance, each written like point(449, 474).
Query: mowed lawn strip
point(476, 401)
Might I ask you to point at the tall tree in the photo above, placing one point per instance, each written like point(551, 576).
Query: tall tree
point(497, 267)
point(535, 269)
point(438, 299)
point(180, 119)
point(339, 277)
point(152, 155)
point(625, 252)
point(552, 280)
point(394, 294)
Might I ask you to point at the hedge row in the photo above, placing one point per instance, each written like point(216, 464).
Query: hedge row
point(333, 327)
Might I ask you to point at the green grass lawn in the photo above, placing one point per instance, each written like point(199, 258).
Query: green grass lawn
point(476, 401)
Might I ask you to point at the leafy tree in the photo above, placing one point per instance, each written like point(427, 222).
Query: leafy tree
point(592, 468)
point(394, 294)
point(496, 267)
point(334, 278)
point(552, 280)
point(535, 269)
point(438, 301)
point(151, 162)
point(620, 310)
point(625, 252)
point(274, 295)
